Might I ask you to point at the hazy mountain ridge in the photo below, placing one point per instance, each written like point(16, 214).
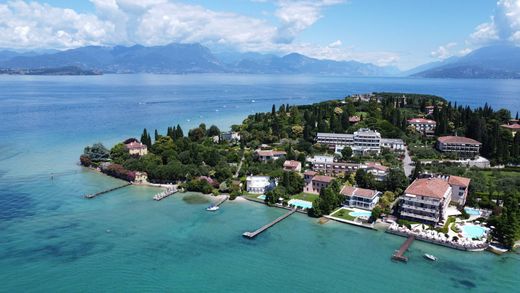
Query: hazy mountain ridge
point(499, 61)
point(187, 58)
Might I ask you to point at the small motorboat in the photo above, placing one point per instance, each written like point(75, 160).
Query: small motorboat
point(212, 208)
point(430, 257)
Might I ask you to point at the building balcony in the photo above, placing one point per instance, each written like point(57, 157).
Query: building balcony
point(423, 209)
point(422, 217)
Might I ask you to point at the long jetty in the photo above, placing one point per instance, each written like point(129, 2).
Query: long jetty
point(169, 191)
point(399, 254)
point(92, 195)
point(252, 235)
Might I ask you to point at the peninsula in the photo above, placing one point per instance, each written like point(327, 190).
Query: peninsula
point(415, 164)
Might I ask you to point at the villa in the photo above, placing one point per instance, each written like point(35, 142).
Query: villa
point(315, 183)
point(379, 171)
point(360, 197)
point(513, 126)
point(291, 165)
point(354, 119)
point(458, 144)
point(231, 136)
point(259, 184)
point(141, 178)
point(425, 126)
point(136, 148)
point(426, 200)
point(266, 155)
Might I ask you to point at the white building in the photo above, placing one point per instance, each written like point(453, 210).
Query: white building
point(266, 155)
point(136, 148)
point(425, 126)
point(460, 188)
point(364, 141)
point(393, 144)
point(458, 144)
point(360, 197)
point(426, 200)
point(291, 165)
point(376, 169)
point(259, 184)
point(231, 136)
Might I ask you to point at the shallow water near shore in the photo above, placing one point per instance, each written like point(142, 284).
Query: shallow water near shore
point(52, 239)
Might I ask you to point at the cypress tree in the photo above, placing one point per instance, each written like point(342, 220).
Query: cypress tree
point(156, 135)
point(178, 132)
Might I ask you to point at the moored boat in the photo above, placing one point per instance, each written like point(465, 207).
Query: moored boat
point(430, 257)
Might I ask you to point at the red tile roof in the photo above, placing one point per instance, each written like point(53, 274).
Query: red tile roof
point(360, 192)
point(428, 187)
point(322, 178)
point(459, 181)
point(421, 120)
point(310, 173)
point(458, 140)
point(377, 166)
point(135, 145)
point(354, 119)
point(291, 164)
point(270, 153)
point(515, 126)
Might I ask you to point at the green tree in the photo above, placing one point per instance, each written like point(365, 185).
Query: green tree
point(346, 153)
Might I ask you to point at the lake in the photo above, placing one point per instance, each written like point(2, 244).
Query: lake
point(52, 239)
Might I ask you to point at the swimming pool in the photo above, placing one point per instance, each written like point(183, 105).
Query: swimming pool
point(473, 231)
point(300, 203)
point(360, 214)
point(262, 197)
point(472, 211)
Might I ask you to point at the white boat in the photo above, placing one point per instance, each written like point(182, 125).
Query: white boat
point(430, 257)
point(212, 208)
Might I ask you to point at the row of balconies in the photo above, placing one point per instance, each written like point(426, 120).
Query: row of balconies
point(417, 216)
point(418, 208)
point(411, 200)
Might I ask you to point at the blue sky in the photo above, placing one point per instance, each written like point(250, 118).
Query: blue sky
point(404, 33)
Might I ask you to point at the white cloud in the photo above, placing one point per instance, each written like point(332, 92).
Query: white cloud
point(30, 25)
point(298, 15)
point(504, 25)
point(443, 52)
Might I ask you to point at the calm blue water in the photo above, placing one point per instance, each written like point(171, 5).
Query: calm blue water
point(473, 231)
point(53, 240)
point(360, 214)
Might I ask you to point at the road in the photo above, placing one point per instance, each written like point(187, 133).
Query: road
point(407, 163)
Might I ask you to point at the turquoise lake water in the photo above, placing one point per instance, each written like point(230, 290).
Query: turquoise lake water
point(53, 240)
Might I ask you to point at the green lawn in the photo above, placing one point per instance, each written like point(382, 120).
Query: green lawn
point(306, 196)
point(344, 214)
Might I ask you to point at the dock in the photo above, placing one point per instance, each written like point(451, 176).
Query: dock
point(92, 195)
point(222, 201)
point(399, 254)
point(169, 191)
point(252, 235)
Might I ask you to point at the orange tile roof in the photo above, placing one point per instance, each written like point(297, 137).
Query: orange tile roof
point(360, 192)
point(291, 164)
point(428, 187)
point(515, 126)
point(459, 181)
point(322, 178)
point(310, 173)
point(458, 140)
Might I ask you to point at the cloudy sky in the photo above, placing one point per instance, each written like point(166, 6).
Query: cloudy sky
point(404, 33)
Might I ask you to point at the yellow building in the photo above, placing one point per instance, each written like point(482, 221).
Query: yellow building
point(136, 148)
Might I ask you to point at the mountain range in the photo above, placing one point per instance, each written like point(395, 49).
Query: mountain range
point(499, 61)
point(186, 58)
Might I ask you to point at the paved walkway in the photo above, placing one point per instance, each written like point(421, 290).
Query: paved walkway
point(407, 163)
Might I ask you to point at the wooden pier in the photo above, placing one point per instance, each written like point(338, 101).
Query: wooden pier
point(92, 195)
point(169, 191)
point(252, 235)
point(399, 254)
point(222, 201)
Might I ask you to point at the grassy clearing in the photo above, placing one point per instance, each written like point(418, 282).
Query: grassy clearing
point(306, 196)
point(344, 214)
